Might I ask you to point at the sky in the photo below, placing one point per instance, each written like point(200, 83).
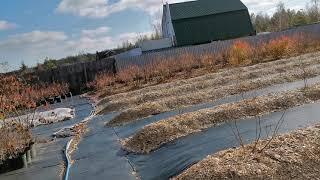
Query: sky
point(31, 30)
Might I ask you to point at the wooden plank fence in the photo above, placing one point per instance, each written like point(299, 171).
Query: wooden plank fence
point(76, 75)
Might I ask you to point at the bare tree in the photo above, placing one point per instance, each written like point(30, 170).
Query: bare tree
point(304, 72)
point(258, 133)
point(313, 10)
point(241, 91)
point(241, 88)
point(275, 131)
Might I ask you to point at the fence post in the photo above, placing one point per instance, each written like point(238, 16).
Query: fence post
point(85, 73)
point(24, 160)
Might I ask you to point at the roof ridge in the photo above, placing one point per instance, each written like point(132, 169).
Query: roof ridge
point(198, 8)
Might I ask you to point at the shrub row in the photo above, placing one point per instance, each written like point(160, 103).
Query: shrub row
point(15, 94)
point(240, 53)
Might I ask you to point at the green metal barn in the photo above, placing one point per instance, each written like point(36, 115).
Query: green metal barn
point(203, 21)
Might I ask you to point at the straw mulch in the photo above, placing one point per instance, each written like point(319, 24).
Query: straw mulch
point(290, 156)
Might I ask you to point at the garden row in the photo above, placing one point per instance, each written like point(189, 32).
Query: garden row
point(175, 127)
point(291, 156)
point(228, 76)
point(136, 110)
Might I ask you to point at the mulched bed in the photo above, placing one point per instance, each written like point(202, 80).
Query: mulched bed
point(291, 156)
point(156, 134)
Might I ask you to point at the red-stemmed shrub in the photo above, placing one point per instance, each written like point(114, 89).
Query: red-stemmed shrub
point(240, 53)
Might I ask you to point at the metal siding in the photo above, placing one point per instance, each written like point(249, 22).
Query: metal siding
point(214, 27)
point(200, 8)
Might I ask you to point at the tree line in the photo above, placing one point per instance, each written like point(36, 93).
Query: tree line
point(284, 18)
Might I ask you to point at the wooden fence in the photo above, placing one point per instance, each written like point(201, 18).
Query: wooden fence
point(76, 75)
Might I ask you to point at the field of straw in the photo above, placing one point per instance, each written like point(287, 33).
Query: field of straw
point(167, 130)
point(141, 106)
point(290, 156)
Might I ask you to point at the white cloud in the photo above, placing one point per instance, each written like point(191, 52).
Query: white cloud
point(269, 6)
point(33, 47)
point(5, 25)
point(103, 8)
point(96, 32)
point(34, 37)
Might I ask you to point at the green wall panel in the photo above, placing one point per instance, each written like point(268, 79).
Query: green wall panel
point(213, 27)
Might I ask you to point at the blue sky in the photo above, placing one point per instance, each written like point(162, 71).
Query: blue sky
point(31, 30)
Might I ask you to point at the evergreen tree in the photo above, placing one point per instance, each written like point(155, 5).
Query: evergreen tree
point(23, 67)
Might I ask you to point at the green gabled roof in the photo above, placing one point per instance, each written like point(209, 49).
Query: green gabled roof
point(203, 8)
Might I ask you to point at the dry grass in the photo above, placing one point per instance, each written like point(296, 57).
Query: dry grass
point(216, 80)
point(14, 139)
point(156, 134)
point(207, 95)
point(291, 156)
point(135, 113)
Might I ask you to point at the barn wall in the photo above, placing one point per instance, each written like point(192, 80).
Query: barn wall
point(205, 29)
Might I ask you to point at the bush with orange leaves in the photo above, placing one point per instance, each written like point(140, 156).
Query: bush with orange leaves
point(15, 138)
point(281, 47)
point(16, 95)
point(240, 53)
